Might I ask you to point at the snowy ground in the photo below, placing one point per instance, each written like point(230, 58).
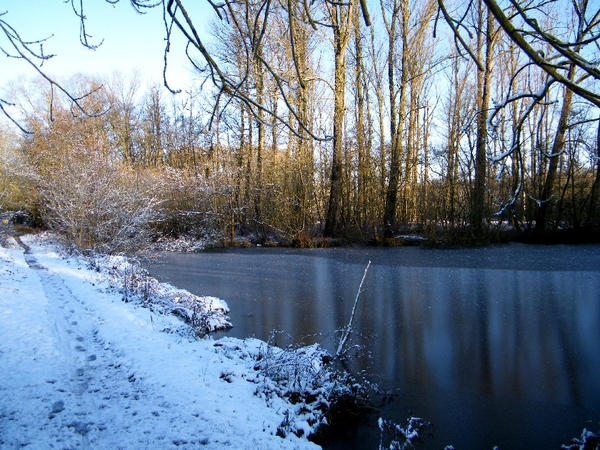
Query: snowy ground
point(82, 369)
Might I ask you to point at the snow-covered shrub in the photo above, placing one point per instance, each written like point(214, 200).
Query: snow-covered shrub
point(17, 180)
point(308, 378)
point(401, 437)
point(318, 383)
point(195, 205)
point(98, 204)
point(587, 441)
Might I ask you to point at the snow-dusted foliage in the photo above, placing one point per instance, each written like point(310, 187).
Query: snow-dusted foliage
point(17, 191)
point(98, 204)
point(197, 205)
point(587, 441)
point(187, 205)
point(204, 314)
point(401, 437)
point(307, 377)
point(179, 244)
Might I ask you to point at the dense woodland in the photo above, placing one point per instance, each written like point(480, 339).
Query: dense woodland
point(358, 121)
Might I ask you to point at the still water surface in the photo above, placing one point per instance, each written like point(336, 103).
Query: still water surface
point(494, 346)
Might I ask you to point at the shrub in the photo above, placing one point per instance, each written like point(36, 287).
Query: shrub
point(98, 204)
point(308, 378)
point(17, 187)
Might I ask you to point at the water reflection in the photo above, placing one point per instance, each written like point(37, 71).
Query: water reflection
point(468, 330)
point(493, 332)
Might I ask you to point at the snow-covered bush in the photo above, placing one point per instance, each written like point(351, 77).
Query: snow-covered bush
point(98, 204)
point(308, 378)
point(186, 204)
point(401, 437)
point(17, 188)
point(587, 441)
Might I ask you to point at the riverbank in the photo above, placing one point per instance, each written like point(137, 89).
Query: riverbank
point(415, 236)
point(81, 368)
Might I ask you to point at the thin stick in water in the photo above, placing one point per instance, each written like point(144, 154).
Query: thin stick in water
point(348, 328)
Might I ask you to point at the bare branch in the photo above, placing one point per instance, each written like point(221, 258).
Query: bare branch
point(83, 35)
point(10, 117)
point(463, 44)
point(22, 49)
point(348, 328)
point(518, 38)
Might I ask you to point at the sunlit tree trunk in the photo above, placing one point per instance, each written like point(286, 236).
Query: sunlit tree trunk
point(340, 15)
point(361, 131)
point(397, 114)
point(457, 106)
point(260, 146)
point(378, 82)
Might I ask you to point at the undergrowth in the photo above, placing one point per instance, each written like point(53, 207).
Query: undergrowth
point(320, 392)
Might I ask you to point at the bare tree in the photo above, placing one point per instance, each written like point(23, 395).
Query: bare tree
point(406, 23)
point(340, 16)
point(260, 16)
point(564, 45)
point(553, 53)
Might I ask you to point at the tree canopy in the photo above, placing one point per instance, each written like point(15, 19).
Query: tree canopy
point(365, 117)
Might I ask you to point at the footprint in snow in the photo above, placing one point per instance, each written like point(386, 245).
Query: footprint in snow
point(57, 407)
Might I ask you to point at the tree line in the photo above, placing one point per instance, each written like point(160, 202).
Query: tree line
point(352, 120)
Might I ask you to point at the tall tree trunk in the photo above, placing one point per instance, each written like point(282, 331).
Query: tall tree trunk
point(260, 94)
point(303, 176)
point(340, 14)
point(558, 145)
point(396, 125)
point(379, 95)
point(455, 102)
point(248, 180)
point(484, 81)
point(361, 132)
point(426, 213)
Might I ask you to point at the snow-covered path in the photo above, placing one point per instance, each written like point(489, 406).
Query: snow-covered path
point(80, 368)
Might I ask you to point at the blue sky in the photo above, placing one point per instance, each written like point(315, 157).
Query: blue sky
point(131, 41)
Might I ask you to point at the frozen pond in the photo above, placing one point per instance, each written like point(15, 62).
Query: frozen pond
point(494, 346)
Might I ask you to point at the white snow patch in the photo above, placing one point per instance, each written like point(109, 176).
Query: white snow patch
point(81, 368)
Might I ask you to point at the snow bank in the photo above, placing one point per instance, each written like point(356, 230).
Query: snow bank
point(204, 314)
point(180, 244)
point(81, 368)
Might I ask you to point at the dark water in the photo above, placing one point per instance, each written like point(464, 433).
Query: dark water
point(496, 347)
